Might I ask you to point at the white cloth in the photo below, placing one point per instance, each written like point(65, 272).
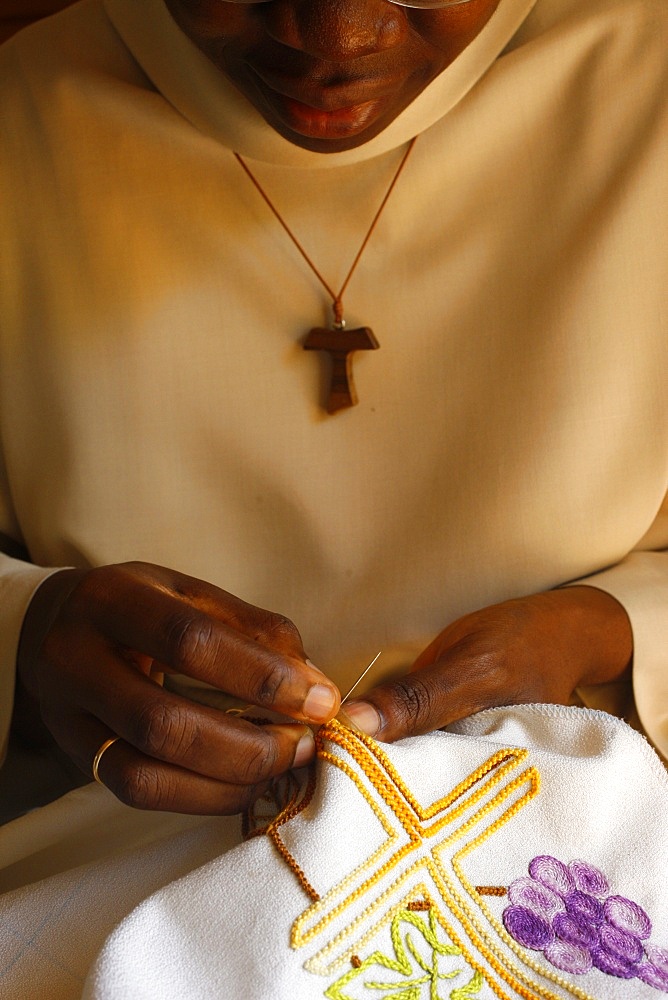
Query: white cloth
point(73, 870)
point(602, 799)
point(588, 790)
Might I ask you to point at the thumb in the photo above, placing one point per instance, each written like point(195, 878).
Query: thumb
point(418, 703)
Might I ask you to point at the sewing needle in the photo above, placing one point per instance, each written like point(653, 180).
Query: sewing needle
point(361, 677)
point(240, 710)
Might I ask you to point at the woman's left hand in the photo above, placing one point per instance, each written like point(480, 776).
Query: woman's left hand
point(531, 649)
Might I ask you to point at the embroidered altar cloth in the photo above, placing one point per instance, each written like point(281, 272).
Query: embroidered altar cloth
point(523, 853)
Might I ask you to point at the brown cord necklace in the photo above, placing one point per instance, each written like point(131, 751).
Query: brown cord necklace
point(339, 343)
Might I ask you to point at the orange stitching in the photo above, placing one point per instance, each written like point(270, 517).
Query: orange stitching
point(495, 957)
point(290, 861)
point(336, 733)
point(344, 738)
point(447, 894)
point(558, 980)
point(292, 808)
point(313, 966)
point(391, 788)
point(281, 794)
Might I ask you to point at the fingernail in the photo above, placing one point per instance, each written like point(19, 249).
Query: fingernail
point(364, 716)
point(346, 721)
point(320, 703)
point(305, 750)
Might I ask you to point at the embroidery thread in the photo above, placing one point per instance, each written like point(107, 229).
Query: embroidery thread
point(425, 846)
point(567, 912)
point(487, 798)
point(414, 972)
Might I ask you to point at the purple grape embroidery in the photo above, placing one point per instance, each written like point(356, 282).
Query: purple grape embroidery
point(567, 912)
point(530, 929)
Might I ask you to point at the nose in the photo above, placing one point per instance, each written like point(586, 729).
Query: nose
point(336, 30)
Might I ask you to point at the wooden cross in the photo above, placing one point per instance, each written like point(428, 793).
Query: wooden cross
point(341, 344)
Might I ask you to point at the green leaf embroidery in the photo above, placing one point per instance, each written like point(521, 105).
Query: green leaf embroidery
point(470, 989)
point(413, 973)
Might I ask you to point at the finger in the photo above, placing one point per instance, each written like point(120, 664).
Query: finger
point(166, 726)
point(273, 630)
point(166, 628)
point(145, 783)
point(145, 664)
point(426, 700)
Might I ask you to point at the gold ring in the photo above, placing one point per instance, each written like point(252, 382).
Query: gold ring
point(98, 757)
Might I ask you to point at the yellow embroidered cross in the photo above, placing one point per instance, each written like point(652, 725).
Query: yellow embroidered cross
point(424, 846)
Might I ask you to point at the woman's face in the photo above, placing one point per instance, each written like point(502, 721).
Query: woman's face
point(330, 74)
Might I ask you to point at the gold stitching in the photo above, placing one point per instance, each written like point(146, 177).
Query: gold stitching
point(413, 818)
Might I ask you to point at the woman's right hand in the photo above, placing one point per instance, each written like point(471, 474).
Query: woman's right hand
point(89, 641)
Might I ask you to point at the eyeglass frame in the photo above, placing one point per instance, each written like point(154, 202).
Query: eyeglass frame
point(413, 4)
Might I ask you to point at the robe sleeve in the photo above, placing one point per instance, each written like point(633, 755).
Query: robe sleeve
point(640, 583)
point(18, 582)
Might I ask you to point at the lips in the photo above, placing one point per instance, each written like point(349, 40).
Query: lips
point(321, 124)
point(320, 109)
point(325, 94)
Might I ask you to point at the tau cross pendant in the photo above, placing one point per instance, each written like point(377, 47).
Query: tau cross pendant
point(341, 344)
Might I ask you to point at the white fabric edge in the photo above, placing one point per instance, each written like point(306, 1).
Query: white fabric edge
point(483, 725)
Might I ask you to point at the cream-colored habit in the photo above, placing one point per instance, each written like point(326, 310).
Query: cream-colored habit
point(512, 431)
